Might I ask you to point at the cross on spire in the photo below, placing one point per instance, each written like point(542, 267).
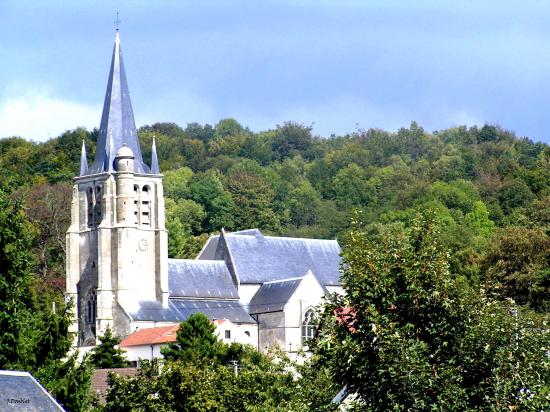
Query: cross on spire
point(117, 21)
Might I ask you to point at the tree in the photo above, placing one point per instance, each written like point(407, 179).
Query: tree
point(195, 339)
point(46, 207)
point(253, 199)
point(176, 182)
point(69, 382)
point(350, 186)
point(291, 138)
point(196, 131)
point(16, 237)
point(208, 191)
point(518, 262)
point(410, 336)
point(266, 385)
point(106, 354)
point(227, 127)
point(35, 326)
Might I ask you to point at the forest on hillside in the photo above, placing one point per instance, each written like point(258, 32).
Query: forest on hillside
point(488, 190)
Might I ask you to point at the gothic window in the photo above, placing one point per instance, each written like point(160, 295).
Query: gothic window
point(91, 307)
point(90, 204)
point(97, 207)
point(308, 326)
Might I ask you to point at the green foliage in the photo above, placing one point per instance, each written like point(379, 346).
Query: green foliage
point(35, 320)
point(253, 199)
point(517, 265)
point(196, 339)
point(287, 182)
point(176, 182)
point(15, 282)
point(106, 355)
point(489, 190)
point(69, 382)
point(208, 191)
point(291, 138)
point(266, 385)
point(409, 336)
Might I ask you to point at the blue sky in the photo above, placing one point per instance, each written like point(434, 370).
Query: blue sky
point(336, 65)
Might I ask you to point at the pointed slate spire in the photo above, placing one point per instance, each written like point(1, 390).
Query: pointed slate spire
point(117, 121)
point(110, 156)
point(154, 159)
point(83, 160)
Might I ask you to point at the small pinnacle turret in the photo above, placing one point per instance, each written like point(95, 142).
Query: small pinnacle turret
point(83, 160)
point(154, 159)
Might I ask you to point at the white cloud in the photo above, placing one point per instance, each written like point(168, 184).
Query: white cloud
point(42, 116)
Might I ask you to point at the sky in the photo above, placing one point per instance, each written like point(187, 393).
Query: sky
point(337, 66)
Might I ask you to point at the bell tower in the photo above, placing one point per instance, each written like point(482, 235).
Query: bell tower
point(117, 244)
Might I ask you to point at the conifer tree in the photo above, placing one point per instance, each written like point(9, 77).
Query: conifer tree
point(195, 339)
point(15, 283)
point(106, 354)
point(34, 326)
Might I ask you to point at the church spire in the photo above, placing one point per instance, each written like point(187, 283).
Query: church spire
point(117, 120)
point(83, 160)
point(154, 159)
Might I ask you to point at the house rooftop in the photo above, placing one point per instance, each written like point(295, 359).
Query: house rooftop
point(151, 336)
point(20, 391)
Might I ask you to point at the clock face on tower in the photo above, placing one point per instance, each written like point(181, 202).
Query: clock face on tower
point(143, 245)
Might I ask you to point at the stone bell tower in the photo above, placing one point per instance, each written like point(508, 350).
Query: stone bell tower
point(117, 244)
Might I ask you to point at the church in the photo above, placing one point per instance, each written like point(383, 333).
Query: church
point(257, 289)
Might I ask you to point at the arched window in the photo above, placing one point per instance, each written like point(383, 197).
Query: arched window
point(308, 326)
point(145, 206)
point(136, 204)
point(91, 307)
point(97, 207)
point(90, 206)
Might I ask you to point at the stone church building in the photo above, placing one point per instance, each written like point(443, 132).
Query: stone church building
point(257, 289)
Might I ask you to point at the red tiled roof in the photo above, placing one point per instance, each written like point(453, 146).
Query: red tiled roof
point(346, 316)
point(151, 336)
point(99, 380)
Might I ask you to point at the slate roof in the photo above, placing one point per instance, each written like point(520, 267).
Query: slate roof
point(151, 336)
point(273, 296)
point(259, 259)
point(200, 279)
point(19, 391)
point(180, 309)
point(117, 120)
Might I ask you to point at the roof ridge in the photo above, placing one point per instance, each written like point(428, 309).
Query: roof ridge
point(197, 260)
point(284, 280)
point(230, 234)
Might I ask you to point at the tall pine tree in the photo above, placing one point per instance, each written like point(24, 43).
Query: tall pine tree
point(106, 354)
point(34, 326)
point(15, 284)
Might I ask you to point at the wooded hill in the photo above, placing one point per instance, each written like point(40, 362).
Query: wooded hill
point(489, 191)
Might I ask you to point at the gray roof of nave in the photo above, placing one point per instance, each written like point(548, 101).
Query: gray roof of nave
point(117, 120)
point(200, 279)
point(273, 296)
point(180, 309)
point(259, 259)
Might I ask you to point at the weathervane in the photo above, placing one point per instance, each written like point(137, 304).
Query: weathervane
point(117, 21)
